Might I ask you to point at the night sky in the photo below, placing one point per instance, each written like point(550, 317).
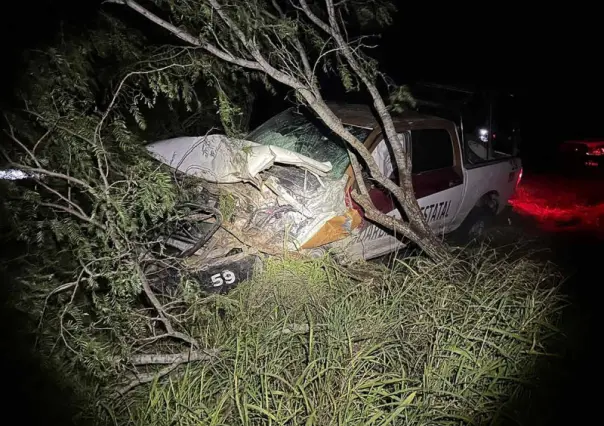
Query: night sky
point(549, 57)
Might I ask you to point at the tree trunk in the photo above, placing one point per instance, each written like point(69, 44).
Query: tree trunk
point(246, 53)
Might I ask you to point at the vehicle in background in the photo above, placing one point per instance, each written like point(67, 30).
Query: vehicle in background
point(288, 187)
point(581, 155)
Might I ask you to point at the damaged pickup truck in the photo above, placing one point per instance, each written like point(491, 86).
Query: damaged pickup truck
point(287, 187)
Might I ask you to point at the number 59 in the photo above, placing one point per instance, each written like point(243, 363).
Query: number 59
point(225, 277)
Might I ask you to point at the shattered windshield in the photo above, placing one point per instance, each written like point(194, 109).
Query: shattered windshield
point(306, 135)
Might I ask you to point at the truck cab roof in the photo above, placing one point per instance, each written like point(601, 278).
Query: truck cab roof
point(361, 115)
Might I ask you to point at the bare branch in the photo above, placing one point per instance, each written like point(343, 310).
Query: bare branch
point(11, 134)
point(255, 53)
point(173, 361)
point(375, 215)
point(398, 226)
point(278, 8)
point(146, 378)
point(314, 18)
point(181, 34)
point(159, 359)
point(53, 174)
point(229, 57)
point(75, 213)
point(309, 74)
point(61, 196)
point(44, 136)
point(162, 315)
point(358, 174)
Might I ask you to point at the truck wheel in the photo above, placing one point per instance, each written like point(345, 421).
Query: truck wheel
point(474, 226)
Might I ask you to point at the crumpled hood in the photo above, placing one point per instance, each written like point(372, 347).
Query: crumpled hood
point(293, 197)
point(220, 159)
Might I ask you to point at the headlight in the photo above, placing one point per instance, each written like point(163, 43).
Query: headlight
point(483, 134)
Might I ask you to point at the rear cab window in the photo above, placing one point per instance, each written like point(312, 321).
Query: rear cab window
point(301, 132)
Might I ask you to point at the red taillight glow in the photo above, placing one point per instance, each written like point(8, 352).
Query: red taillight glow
point(559, 204)
point(596, 151)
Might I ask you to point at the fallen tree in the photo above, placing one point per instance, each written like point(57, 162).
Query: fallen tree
point(291, 43)
point(93, 203)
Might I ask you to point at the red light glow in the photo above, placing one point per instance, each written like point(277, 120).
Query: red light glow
point(519, 178)
point(596, 152)
point(559, 205)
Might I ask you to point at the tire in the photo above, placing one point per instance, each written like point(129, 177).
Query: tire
point(474, 226)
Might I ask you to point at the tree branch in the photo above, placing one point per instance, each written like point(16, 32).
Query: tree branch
point(162, 315)
point(146, 378)
point(53, 174)
point(173, 361)
point(255, 52)
point(59, 289)
point(75, 213)
point(61, 196)
point(404, 193)
point(162, 359)
point(310, 76)
point(48, 132)
point(11, 134)
point(358, 173)
point(189, 38)
point(181, 34)
point(375, 215)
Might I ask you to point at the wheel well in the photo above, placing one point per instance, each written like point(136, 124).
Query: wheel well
point(489, 200)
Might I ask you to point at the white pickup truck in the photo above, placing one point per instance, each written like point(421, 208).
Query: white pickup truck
point(457, 188)
point(287, 185)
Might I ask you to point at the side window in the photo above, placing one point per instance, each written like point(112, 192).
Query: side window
point(431, 149)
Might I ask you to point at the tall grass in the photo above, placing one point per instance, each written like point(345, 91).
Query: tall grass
point(311, 343)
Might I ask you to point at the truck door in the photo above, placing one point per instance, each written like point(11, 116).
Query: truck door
point(437, 175)
point(437, 180)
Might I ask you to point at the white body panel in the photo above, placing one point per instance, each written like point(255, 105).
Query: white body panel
point(445, 210)
point(487, 178)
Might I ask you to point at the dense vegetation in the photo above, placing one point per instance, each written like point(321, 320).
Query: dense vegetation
point(311, 343)
point(304, 342)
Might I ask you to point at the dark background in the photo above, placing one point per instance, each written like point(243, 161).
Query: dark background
point(547, 56)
